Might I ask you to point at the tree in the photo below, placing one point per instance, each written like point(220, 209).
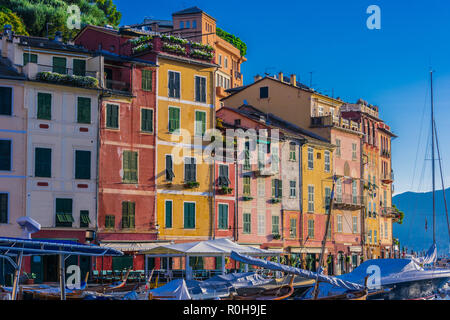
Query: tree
point(399, 214)
point(9, 17)
point(52, 15)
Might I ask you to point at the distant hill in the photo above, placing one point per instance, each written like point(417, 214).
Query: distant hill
point(418, 208)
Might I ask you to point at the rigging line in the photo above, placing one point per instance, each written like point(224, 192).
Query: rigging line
point(420, 138)
point(442, 179)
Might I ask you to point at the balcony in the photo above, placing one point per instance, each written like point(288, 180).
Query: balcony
point(385, 153)
point(388, 212)
point(220, 92)
point(264, 172)
point(387, 178)
point(117, 85)
point(348, 202)
point(331, 120)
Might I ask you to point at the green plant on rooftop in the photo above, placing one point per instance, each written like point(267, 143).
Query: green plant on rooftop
point(140, 40)
point(235, 41)
point(142, 47)
point(175, 48)
point(201, 54)
point(201, 46)
point(72, 80)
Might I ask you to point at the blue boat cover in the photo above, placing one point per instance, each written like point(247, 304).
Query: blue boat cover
point(300, 272)
point(13, 246)
point(174, 290)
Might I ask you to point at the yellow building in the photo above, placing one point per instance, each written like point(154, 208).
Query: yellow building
point(185, 110)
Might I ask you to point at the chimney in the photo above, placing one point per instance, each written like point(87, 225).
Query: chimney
point(280, 76)
point(293, 79)
point(58, 36)
point(256, 78)
point(7, 31)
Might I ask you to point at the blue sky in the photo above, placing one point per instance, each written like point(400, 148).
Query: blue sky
point(387, 67)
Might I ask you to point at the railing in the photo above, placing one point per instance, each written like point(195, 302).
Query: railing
point(387, 177)
point(385, 153)
point(68, 71)
point(334, 120)
point(117, 85)
point(388, 212)
point(348, 201)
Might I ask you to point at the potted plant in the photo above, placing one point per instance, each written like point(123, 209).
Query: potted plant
point(275, 200)
point(191, 184)
point(29, 278)
point(247, 198)
point(276, 236)
point(226, 190)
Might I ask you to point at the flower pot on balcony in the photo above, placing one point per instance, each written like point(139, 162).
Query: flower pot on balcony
point(247, 198)
point(29, 281)
point(226, 190)
point(191, 184)
point(275, 200)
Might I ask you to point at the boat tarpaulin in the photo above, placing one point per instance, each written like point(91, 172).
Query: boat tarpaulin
point(300, 272)
point(174, 290)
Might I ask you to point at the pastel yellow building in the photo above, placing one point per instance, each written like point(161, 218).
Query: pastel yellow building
point(185, 110)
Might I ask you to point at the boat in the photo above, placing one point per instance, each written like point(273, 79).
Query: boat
point(281, 292)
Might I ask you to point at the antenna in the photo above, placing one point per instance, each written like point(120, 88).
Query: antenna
point(311, 78)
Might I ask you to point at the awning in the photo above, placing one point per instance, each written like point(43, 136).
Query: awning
point(133, 246)
point(308, 250)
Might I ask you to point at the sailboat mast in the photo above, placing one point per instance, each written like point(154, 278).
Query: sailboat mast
point(432, 158)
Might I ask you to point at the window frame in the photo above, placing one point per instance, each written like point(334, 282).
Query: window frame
point(173, 131)
point(118, 116)
point(184, 215)
point(78, 110)
point(5, 193)
point(166, 214)
point(310, 158)
point(11, 111)
point(152, 120)
point(35, 162)
point(219, 220)
point(204, 124)
point(168, 85)
point(144, 87)
point(130, 181)
point(10, 155)
point(201, 94)
point(190, 164)
point(311, 202)
point(37, 105)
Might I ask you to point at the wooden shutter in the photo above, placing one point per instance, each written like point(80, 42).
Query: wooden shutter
point(112, 116)
point(168, 214)
point(177, 85)
point(5, 155)
point(171, 84)
point(59, 65)
point(203, 89)
point(82, 164)
point(79, 67)
point(147, 120)
point(169, 168)
point(197, 89)
point(147, 80)
point(3, 208)
point(5, 101)
point(84, 110)
point(189, 215)
point(44, 109)
point(43, 162)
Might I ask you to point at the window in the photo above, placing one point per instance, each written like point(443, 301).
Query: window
point(224, 181)
point(128, 213)
point(226, 62)
point(59, 65)
point(275, 225)
point(247, 226)
point(181, 24)
point(200, 123)
point(5, 155)
point(339, 190)
point(311, 229)
point(84, 219)
point(110, 222)
point(82, 164)
point(261, 156)
point(147, 77)
point(275, 160)
point(188, 24)
point(338, 147)
point(354, 192)
point(261, 223)
point(293, 191)
point(5, 101)
point(189, 215)
point(220, 59)
point(3, 208)
point(223, 216)
point(374, 212)
point(261, 187)
point(354, 151)
point(44, 107)
point(168, 213)
point(327, 199)
point(147, 120)
point(169, 168)
point(43, 162)
point(292, 152)
point(200, 89)
point(29, 57)
point(246, 165)
point(174, 84)
point(370, 209)
point(246, 185)
point(194, 24)
point(327, 161)
point(381, 230)
point(190, 170)
point(339, 223)
point(386, 230)
point(263, 92)
point(310, 158)
point(384, 198)
point(112, 116)
point(370, 236)
point(130, 167)
point(64, 216)
point(276, 188)
point(310, 198)
point(293, 228)
point(174, 120)
point(84, 110)
point(375, 236)
point(355, 224)
point(79, 67)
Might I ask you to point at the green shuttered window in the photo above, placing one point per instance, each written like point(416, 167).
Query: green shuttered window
point(64, 216)
point(112, 116)
point(79, 67)
point(82, 164)
point(169, 213)
point(275, 225)
point(174, 119)
point(128, 212)
point(246, 186)
point(29, 57)
point(247, 223)
point(3, 208)
point(84, 219)
point(200, 123)
point(200, 89)
point(189, 215)
point(147, 80)
point(84, 110)
point(147, 120)
point(59, 65)
point(169, 168)
point(5, 101)
point(293, 228)
point(110, 222)
point(190, 170)
point(5, 155)
point(130, 167)
point(174, 84)
point(223, 216)
point(43, 162)
point(44, 107)
point(276, 188)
